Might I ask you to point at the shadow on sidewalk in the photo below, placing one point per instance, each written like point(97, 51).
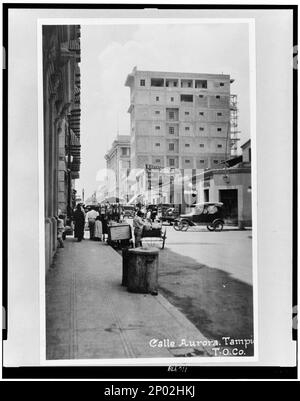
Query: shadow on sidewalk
point(218, 304)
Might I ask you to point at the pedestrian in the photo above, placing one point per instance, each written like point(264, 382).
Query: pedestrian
point(104, 220)
point(122, 217)
point(79, 221)
point(148, 215)
point(138, 225)
point(91, 218)
point(98, 229)
point(60, 230)
point(154, 214)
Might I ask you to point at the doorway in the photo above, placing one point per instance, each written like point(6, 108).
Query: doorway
point(230, 199)
point(206, 195)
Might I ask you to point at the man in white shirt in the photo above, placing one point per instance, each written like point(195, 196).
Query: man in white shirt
point(91, 218)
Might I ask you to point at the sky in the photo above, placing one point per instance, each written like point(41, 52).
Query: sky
point(108, 55)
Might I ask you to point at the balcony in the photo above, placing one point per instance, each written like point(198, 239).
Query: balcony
point(157, 82)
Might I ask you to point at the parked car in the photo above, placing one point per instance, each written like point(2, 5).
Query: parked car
point(209, 214)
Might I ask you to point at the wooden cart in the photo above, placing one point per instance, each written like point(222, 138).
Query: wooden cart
point(120, 236)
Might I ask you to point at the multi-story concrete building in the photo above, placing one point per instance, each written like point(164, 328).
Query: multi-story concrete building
point(183, 121)
point(179, 120)
point(118, 164)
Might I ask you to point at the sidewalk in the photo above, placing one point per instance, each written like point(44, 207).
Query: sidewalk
point(90, 315)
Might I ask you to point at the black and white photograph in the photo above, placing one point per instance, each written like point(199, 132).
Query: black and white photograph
point(148, 189)
point(151, 152)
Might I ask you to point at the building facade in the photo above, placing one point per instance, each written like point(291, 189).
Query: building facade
point(179, 121)
point(232, 186)
point(61, 109)
point(118, 164)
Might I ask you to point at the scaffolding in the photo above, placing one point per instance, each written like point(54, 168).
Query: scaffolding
point(234, 137)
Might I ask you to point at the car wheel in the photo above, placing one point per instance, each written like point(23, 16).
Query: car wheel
point(210, 227)
point(185, 225)
point(218, 226)
point(176, 226)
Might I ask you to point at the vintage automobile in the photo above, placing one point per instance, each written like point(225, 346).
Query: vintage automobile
point(207, 214)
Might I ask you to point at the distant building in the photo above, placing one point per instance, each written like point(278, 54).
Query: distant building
point(183, 121)
point(118, 163)
point(180, 120)
point(232, 186)
point(61, 91)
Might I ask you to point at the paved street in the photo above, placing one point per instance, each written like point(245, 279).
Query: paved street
point(229, 250)
point(208, 276)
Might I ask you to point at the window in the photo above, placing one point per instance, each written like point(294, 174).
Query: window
point(201, 145)
point(216, 161)
point(201, 113)
point(172, 99)
point(187, 128)
point(186, 98)
point(219, 146)
point(142, 82)
point(157, 112)
point(187, 161)
point(217, 97)
point(201, 129)
point(219, 129)
point(157, 98)
point(171, 146)
point(175, 83)
point(171, 162)
point(189, 84)
point(187, 113)
point(157, 161)
point(187, 145)
point(171, 130)
point(221, 83)
point(157, 144)
point(201, 96)
point(124, 151)
point(219, 114)
point(202, 161)
point(157, 127)
point(171, 115)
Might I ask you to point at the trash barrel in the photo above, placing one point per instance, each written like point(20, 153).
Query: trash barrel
point(142, 270)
